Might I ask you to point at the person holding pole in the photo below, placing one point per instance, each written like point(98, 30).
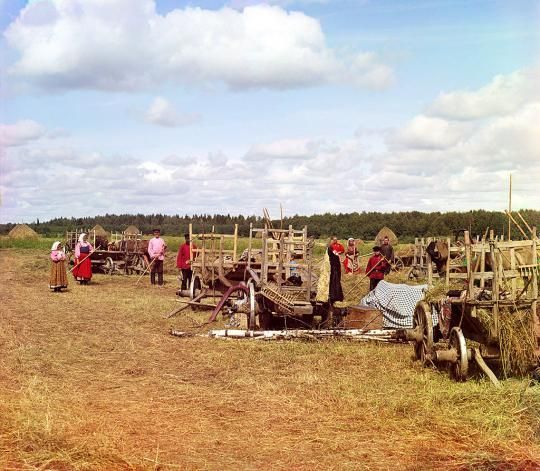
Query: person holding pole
point(376, 268)
point(156, 250)
point(82, 270)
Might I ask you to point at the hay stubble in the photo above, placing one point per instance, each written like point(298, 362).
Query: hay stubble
point(91, 379)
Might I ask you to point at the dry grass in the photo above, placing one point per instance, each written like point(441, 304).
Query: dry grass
point(91, 379)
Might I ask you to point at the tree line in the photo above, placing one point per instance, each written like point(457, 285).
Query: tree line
point(365, 225)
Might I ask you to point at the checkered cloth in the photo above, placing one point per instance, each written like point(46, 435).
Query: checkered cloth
point(397, 303)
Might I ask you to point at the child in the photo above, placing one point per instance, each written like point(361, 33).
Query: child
point(58, 275)
point(376, 267)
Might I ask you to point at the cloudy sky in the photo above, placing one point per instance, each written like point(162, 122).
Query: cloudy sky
point(229, 106)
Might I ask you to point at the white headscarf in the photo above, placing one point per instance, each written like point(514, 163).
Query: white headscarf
point(81, 237)
point(55, 245)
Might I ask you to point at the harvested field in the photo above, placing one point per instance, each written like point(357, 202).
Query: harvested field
point(91, 379)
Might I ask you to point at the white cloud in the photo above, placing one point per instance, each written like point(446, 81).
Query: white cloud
point(424, 132)
point(163, 113)
point(503, 95)
point(123, 45)
point(429, 164)
point(20, 133)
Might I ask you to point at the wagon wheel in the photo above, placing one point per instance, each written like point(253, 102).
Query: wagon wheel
point(195, 288)
point(398, 264)
point(459, 369)
point(108, 267)
point(138, 264)
point(252, 306)
point(422, 323)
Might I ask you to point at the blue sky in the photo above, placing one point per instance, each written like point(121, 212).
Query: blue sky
point(231, 106)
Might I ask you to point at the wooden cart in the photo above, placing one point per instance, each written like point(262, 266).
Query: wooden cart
point(270, 278)
point(500, 293)
point(123, 254)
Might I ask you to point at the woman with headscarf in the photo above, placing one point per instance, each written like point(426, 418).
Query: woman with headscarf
point(82, 271)
point(335, 292)
point(58, 276)
point(350, 262)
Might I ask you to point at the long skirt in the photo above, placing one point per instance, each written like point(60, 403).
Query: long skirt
point(57, 275)
point(83, 271)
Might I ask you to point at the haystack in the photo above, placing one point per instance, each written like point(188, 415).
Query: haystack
point(22, 231)
point(99, 231)
point(386, 232)
point(132, 230)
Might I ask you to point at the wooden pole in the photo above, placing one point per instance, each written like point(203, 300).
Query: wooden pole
point(524, 222)
point(511, 219)
point(75, 266)
point(509, 208)
point(145, 270)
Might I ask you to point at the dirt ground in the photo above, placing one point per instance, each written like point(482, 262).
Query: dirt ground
point(92, 379)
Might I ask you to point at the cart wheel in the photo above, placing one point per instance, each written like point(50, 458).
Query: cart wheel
point(195, 287)
point(108, 267)
point(252, 306)
point(398, 264)
point(138, 265)
point(459, 369)
point(423, 349)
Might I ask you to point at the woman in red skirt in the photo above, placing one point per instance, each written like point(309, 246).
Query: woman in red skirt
point(83, 265)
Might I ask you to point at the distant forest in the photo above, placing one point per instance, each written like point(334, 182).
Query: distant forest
point(365, 225)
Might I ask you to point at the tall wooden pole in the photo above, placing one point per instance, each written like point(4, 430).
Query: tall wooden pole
point(510, 208)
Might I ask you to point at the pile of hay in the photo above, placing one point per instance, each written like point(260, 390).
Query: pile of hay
point(132, 230)
point(99, 231)
point(517, 339)
point(386, 232)
point(22, 231)
point(405, 250)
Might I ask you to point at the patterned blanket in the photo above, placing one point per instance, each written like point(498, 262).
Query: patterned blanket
point(397, 303)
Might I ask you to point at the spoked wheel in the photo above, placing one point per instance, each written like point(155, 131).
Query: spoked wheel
point(252, 306)
point(423, 325)
point(138, 264)
point(195, 287)
point(459, 369)
point(108, 267)
point(398, 264)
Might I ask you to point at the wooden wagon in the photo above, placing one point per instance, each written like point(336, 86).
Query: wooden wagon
point(493, 318)
point(271, 278)
point(123, 253)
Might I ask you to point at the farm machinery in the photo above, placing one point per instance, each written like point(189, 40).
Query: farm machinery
point(268, 282)
point(493, 318)
point(123, 254)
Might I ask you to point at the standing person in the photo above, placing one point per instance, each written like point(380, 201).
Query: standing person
point(376, 268)
point(58, 275)
point(335, 292)
point(388, 251)
point(351, 257)
point(82, 271)
point(156, 250)
point(183, 262)
point(336, 246)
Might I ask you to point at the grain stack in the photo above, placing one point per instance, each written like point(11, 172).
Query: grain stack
point(23, 231)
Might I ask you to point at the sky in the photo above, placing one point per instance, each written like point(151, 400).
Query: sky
point(232, 106)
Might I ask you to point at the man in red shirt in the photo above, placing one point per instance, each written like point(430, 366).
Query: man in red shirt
point(183, 262)
point(376, 267)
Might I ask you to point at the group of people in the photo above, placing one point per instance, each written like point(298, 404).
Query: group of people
point(82, 269)
point(378, 265)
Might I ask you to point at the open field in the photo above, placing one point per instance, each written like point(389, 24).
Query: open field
point(91, 379)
